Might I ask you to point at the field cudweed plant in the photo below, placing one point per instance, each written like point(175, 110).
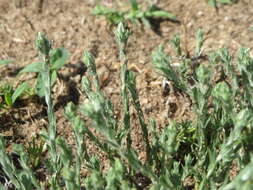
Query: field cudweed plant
point(202, 151)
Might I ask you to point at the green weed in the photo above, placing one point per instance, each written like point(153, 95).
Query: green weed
point(56, 59)
point(202, 150)
point(214, 3)
point(35, 152)
point(135, 14)
point(219, 131)
point(9, 95)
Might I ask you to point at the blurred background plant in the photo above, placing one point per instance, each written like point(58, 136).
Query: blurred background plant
point(135, 14)
point(214, 3)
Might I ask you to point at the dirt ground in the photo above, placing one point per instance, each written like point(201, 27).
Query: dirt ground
point(69, 24)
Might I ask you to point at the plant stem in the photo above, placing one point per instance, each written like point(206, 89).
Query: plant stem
point(46, 75)
point(125, 98)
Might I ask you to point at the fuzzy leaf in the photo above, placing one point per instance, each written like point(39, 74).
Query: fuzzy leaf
point(40, 86)
point(43, 44)
point(58, 58)
point(33, 67)
point(222, 91)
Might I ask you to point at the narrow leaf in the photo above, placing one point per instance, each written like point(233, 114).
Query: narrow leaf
point(162, 14)
point(53, 77)
point(40, 86)
point(7, 98)
point(225, 1)
point(34, 67)
point(5, 62)
point(19, 91)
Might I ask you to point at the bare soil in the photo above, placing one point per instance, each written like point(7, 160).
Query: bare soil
point(70, 24)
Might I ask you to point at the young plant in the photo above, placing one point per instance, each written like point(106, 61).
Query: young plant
point(56, 60)
point(35, 152)
point(176, 43)
point(9, 95)
point(48, 56)
point(135, 14)
point(21, 179)
point(193, 154)
point(122, 36)
point(25, 178)
point(229, 115)
point(116, 141)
